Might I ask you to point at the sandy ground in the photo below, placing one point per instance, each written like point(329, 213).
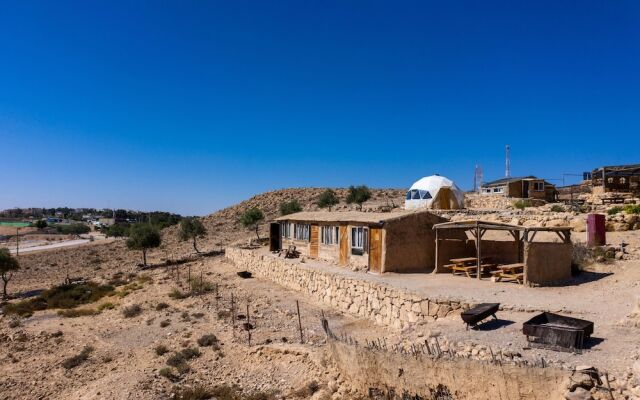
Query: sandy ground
point(124, 364)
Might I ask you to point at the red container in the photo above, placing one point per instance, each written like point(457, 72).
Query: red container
point(596, 230)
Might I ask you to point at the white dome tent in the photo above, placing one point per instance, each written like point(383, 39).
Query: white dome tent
point(434, 191)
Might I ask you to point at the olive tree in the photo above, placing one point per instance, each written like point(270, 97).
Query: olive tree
point(8, 264)
point(143, 237)
point(290, 207)
point(358, 195)
point(191, 229)
point(251, 219)
point(328, 198)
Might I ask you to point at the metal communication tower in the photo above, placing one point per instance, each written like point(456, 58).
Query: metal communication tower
point(477, 179)
point(507, 172)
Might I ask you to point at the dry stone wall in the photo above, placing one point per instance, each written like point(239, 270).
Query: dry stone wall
point(383, 304)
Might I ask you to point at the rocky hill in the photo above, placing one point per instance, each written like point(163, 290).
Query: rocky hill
point(224, 226)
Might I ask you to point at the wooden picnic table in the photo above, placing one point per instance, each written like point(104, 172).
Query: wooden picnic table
point(513, 271)
point(468, 265)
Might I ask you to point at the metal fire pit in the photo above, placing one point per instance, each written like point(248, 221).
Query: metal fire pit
point(557, 331)
point(475, 315)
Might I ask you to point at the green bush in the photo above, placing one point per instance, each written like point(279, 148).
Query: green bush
point(161, 306)
point(208, 340)
point(521, 204)
point(328, 198)
point(132, 311)
point(632, 209)
point(358, 195)
point(557, 208)
point(63, 296)
point(615, 210)
point(161, 349)
point(73, 229)
point(117, 230)
point(290, 207)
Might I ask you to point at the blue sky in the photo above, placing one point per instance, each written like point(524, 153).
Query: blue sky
point(191, 106)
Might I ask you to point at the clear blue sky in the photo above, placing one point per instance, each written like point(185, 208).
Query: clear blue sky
point(193, 106)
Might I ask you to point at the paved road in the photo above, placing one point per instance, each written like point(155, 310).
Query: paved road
point(50, 246)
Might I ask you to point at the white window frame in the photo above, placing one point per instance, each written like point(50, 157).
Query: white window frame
point(301, 232)
point(329, 235)
point(359, 239)
point(285, 229)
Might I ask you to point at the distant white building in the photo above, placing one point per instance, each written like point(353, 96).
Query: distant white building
point(436, 192)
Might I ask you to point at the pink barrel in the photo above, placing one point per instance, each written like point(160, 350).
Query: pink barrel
point(596, 230)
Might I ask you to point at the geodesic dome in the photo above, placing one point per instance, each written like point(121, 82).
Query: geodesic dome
point(434, 191)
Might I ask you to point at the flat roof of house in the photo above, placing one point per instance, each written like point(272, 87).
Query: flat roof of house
point(504, 181)
point(347, 216)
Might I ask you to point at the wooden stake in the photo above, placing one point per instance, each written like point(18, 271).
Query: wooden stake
point(299, 322)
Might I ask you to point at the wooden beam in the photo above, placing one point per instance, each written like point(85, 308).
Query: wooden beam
point(478, 250)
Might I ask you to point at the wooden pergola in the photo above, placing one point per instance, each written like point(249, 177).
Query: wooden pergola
point(478, 228)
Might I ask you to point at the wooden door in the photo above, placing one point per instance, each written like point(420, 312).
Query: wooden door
point(344, 245)
point(375, 250)
point(275, 237)
point(313, 241)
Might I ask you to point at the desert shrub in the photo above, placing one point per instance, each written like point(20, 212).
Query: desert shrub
point(557, 208)
point(200, 285)
point(78, 312)
point(224, 314)
point(226, 392)
point(132, 311)
point(632, 208)
point(615, 210)
point(208, 340)
point(290, 207)
point(358, 195)
point(78, 359)
point(179, 360)
point(63, 296)
point(165, 323)
point(521, 204)
point(142, 279)
point(117, 230)
point(161, 349)
point(328, 198)
point(185, 316)
point(14, 323)
point(197, 315)
point(178, 294)
point(106, 306)
point(195, 393)
point(161, 306)
point(167, 372)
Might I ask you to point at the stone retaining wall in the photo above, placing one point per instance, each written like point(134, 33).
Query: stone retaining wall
point(383, 304)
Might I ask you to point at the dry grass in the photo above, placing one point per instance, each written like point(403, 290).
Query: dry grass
point(78, 359)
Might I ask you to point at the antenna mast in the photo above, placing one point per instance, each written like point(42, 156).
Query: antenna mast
point(477, 179)
point(507, 172)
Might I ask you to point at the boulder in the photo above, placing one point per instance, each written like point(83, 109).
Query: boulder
point(578, 394)
point(578, 224)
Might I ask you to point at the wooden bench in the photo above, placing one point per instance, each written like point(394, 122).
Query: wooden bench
point(509, 271)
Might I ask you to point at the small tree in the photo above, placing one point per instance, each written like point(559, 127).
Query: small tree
point(251, 219)
point(290, 207)
point(328, 198)
point(117, 230)
point(143, 237)
point(41, 224)
point(8, 264)
point(191, 229)
point(358, 195)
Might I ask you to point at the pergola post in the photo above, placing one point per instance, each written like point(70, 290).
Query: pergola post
point(478, 250)
point(435, 271)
